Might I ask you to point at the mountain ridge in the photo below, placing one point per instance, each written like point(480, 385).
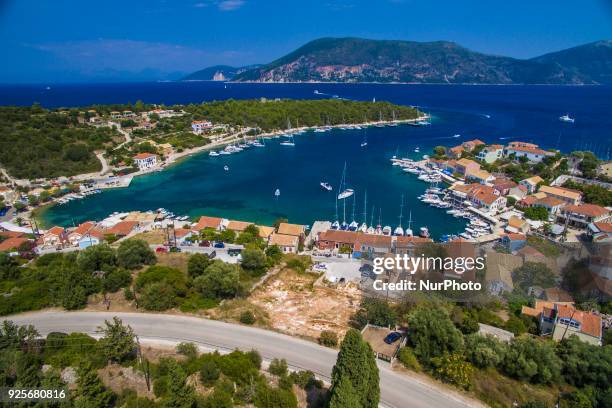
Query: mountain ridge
point(352, 59)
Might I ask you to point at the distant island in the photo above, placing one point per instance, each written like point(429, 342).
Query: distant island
point(363, 60)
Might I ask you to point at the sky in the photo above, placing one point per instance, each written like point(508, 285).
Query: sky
point(131, 40)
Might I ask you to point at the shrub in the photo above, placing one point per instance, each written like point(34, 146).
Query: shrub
point(189, 350)
point(453, 369)
point(210, 372)
point(484, 351)
point(158, 296)
point(328, 338)
point(247, 317)
point(278, 367)
point(408, 359)
point(135, 253)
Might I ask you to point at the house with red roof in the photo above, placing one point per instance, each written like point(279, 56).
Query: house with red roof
point(54, 236)
point(581, 215)
point(528, 150)
point(472, 144)
point(145, 160)
point(204, 222)
point(79, 232)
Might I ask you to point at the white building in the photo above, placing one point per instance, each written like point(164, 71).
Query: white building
point(145, 160)
point(528, 150)
point(491, 153)
point(199, 126)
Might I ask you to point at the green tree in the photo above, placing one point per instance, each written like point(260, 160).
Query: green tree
point(344, 395)
point(533, 360)
point(374, 311)
point(484, 351)
point(220, 280)
point(356, 364)
point(118, 340)
point(452, 368)
point(179, 394)
point(158, 296)
point(97, 258)
point(90, 392)
point(533, 274)
point(253, 259)
point(536, 213)
point(432, 334)
point(274, 254)
point(135, 253)
point(197, 264)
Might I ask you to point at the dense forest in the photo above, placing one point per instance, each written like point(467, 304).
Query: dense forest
point(38, 143)
point(277, 114)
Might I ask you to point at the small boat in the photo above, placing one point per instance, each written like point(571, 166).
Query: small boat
point(417, 150)
point(353, 226)
point(277, 193)
point(326, 186)
point(424, 232)
point(457, 135)
point(335, 225)
point(226, 167)
point(346, 193)
point(213, 153)
point(566, 118)
point(386, 230)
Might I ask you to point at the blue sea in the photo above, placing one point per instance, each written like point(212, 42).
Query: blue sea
point(199, 185)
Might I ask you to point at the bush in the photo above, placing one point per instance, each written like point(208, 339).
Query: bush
point(189, 350)
point(135, 253)
point(210, 372)
point(158, 296)
point(408, 359)
point(116, 279)
point(532, 360)
point(278, 367)
point(453, 369)
point(158, 274)
point(374, 311)
point(219, 281)
point(328, 338)
point(247, 317)
point(305, 380)
point(432, 334)
point(253, 260)
point(197, 264)
point(484, 351)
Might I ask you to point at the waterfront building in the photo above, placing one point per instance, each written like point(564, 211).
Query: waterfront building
point(517, 225)
point(600, 231)
point(472, 144)
point(12, 243)
point(336, 239)
point(291, 229)
point(503, 185)
point(455, 152)
point(518, 192)
point(288, 244)
point(466, 166)
point(491, 153)
point(216, 223)
point(79, 232)
point(145, 160)
point(54, 236)
point(566, 195)
point(528, 150)
point(265, 232)
point(531, 183)
point(200, 126)
point(122, 228)
point(237, 226)
point(580, 216)
point(552, 204)
point(480, 176)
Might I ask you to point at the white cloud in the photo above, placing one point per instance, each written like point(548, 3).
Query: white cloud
point(229, 5)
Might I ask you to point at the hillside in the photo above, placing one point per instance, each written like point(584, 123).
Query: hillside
point(362, 60)
point(593, 60)
point(217, 73)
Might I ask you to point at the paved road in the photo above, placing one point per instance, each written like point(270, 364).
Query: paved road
point(397, 391)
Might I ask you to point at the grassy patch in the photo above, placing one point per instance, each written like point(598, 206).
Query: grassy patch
point(194, 302)
point(544, 246)
point(499, 391)
point(232, 309)
point(176, 260)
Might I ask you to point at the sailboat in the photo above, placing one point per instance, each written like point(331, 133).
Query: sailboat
point(326, 186)
point(394, 123)
point(408, 231)
point(344, 192)
point(226, 167)
point(290, 141)
point(399, 230)
point(371, 229)
point(277, 193)
point(354, 224)
point(379, 226)
point(566, 118)
point(364, 226)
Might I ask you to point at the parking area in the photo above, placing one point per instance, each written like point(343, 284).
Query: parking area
point(340, 270)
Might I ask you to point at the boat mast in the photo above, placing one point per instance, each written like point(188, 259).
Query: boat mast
point(353, 216)
point(401, 212)
point(365, 208)
point(372, 217)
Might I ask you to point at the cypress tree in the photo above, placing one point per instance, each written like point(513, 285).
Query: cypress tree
point(90, 392)
point(343, 395)
point(356, 364)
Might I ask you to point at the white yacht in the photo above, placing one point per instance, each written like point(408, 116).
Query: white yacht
point(566, 118)
point(346, 193)
point(213, 153)
point(326, 186)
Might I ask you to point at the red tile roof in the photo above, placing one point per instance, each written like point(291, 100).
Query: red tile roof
point(122, 228)
point(141, 156)
point(83, 228)
point(12, 243)
point(590, 210)
point(590, 323)
point(347, 237)
point(603, 226)
point(208, 222)
point(55, 231)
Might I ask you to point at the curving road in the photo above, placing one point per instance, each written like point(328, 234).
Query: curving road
point(397, 391)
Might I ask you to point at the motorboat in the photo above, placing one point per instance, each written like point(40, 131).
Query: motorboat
point(424, 232)
point(326, 186)
point(566, 118)
point(277, 193)
point(386, 230)
point(226, 167)
point(213, 153)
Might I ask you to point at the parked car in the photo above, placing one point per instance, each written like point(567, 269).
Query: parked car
point(204, 243)
point(175, 249)
point(234, 252)
point(161, 250)
point(219, 245)
point(392, 337)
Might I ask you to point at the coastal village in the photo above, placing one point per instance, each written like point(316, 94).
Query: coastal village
point(515, 223)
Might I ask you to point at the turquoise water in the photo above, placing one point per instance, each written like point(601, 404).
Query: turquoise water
point(200, 186)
